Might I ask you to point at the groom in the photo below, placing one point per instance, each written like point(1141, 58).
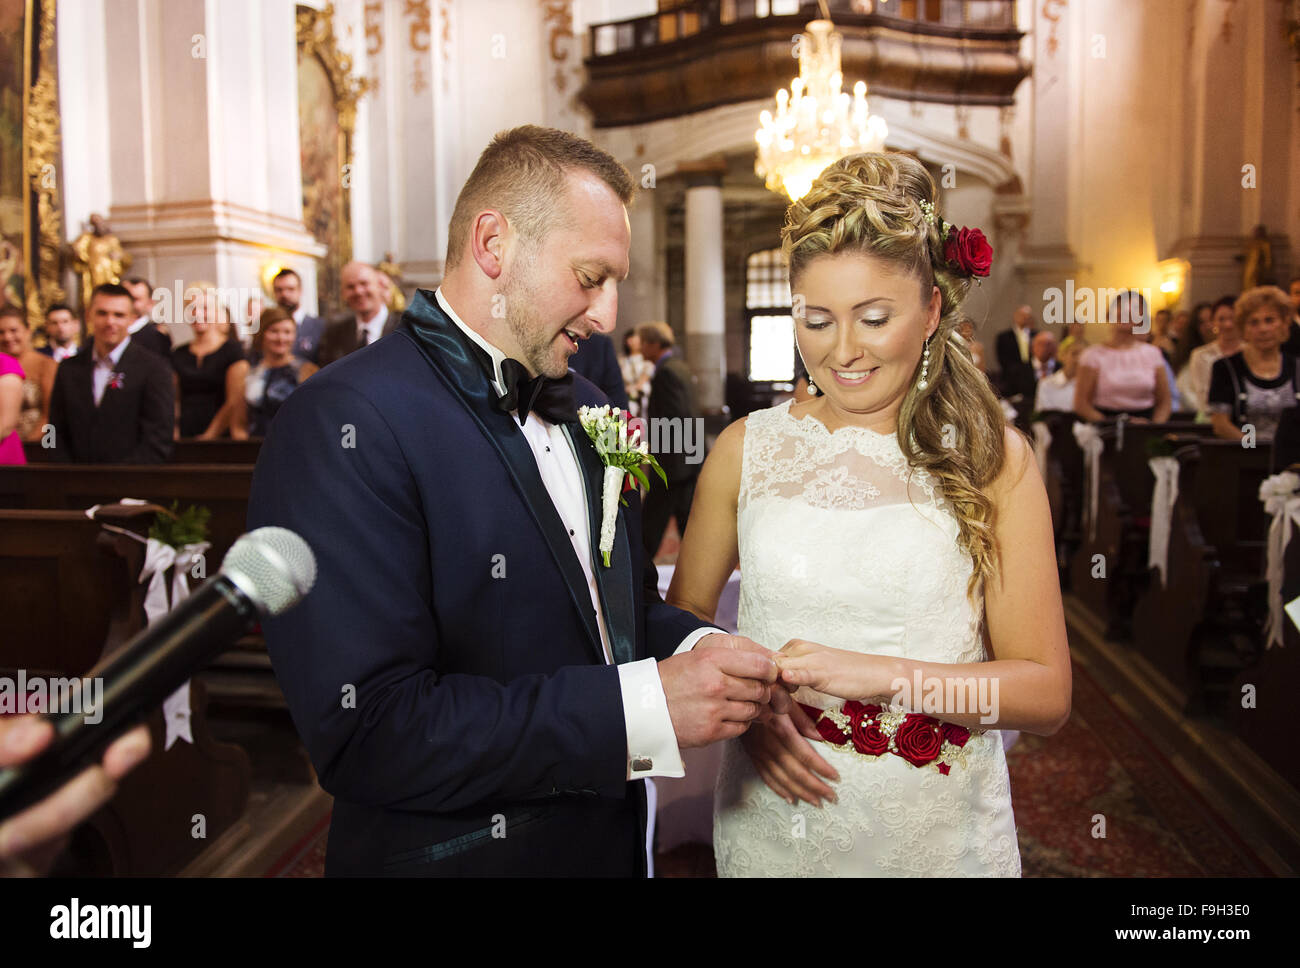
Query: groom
point(478, 691)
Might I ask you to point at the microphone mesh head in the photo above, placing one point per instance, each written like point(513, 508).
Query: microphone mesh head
point(272, 566)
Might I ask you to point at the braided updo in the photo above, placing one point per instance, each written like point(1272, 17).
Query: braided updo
point(876, 204)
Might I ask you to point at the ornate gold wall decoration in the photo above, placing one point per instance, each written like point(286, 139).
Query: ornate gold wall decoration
point(419, 32)
point(1052, 13)
point(41, 139)
point(327, 168)
point(558, 16)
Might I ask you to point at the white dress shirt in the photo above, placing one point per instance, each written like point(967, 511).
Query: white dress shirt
point(61, 353)
point(651, 742)
point(105, 367)
point(367, 333)
point(299, 315)
point(1055, 392)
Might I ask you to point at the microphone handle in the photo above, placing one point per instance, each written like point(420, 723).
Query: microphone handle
point(136, 680)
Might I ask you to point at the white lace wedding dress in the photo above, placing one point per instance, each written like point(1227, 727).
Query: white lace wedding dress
point(837, 547)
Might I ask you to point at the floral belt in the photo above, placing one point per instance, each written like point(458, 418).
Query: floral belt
point(874, 731)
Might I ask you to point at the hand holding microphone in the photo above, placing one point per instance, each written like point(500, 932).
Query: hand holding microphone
point(265, 572)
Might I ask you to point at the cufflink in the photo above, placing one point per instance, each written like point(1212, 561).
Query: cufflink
point(641, 764)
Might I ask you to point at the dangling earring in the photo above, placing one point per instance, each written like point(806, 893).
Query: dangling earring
point(812, 387)
point(925, 365)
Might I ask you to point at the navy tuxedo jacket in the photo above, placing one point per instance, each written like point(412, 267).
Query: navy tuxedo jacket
point(446, 673)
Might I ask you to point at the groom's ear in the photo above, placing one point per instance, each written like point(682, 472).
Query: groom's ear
point(487, 242)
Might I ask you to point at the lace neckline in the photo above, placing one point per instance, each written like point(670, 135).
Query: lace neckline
point(809, 422)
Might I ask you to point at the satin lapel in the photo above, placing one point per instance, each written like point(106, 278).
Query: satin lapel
point(441, 345)
point(614, 582)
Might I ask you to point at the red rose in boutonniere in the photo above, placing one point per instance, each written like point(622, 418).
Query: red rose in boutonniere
point(968, 251)
point(918, 740)
point(118, 381)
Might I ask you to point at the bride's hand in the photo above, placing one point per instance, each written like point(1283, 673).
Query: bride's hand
point(832, 671)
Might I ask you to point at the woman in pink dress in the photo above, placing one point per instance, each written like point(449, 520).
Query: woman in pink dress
point(1123, 374)
point(11, 406)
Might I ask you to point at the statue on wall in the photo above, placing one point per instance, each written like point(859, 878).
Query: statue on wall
point(391, 276)
point(97, 257)
point(1257, 268)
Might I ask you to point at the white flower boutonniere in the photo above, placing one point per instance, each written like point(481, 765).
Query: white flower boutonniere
point(623, 453)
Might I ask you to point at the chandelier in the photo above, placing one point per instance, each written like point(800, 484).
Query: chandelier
point(816, 123)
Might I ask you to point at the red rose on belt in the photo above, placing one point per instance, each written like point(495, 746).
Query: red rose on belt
point(968, 251)
point(918, 740)
point(830, 732)
point(868, 737)
point(954, 734)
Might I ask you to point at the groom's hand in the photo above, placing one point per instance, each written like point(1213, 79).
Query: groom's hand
point(779, 700)
point(715, 691)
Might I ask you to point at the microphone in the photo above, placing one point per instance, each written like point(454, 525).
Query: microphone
point(266, 571)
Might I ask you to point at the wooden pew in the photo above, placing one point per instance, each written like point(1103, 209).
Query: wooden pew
point(1274, 677)
point(185, 451)
point(1205, 622)
point(223, 489)
point(1123, 512)
point(69, 592)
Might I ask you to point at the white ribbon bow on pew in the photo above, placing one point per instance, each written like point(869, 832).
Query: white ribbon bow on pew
point(1042, 441)
point(1090, 442)
point(1163, 497)
point(158, 557)
point(1278, 493)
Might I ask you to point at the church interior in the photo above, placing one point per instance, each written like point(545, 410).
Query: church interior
point(238, 165)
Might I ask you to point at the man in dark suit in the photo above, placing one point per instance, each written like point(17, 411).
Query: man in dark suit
point(369, 319)
point(113, 402)
point(597, 361)
point(62, 331)
point(671, 404)
point(1014, 350)
point(144, 332)
point(477, 689)
point(287, 287)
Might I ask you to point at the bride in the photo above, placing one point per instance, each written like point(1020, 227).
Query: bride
point(893, 535)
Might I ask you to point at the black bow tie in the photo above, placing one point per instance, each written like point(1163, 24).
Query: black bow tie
point(551, 399)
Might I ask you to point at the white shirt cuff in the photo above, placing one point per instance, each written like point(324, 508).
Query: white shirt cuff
point(651, 742)
point(693, 639)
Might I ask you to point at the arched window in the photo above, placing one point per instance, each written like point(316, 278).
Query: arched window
point(767, 309)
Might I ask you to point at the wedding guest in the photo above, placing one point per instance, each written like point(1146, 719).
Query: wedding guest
point(597, 361)
point(11, 404)
point(39, 370)
point(287, 286)
point(208, 370)
point(1252, 387)
point(62, 333)
point(144, 331)
point(1123, 375)
point(1043, 355)
point(368, 319)
point(276, 375)
point(1292, 340)
point(1056, 391)
point(967, 330)
point(1195, 379)
point(637, 371)
point(1161, 337)
point(672, 397)
point(112, 403)
point(1014, 363)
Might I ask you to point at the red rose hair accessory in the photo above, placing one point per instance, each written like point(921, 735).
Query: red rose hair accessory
point(966, 252)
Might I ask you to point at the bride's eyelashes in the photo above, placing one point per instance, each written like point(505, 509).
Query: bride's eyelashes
point(874, 321)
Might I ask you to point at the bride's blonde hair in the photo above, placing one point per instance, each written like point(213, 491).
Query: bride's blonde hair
point(873, 204)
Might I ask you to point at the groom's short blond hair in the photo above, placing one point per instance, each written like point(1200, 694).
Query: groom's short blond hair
point(521, 174)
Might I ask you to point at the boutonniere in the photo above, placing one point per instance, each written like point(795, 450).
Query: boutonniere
point(118, 381)
point(623, 453)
